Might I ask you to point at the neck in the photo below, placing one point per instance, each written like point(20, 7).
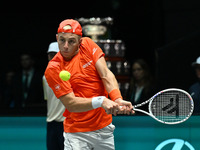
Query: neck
point(70, 58)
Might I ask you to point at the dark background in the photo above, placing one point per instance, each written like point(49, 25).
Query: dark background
point(165, 33)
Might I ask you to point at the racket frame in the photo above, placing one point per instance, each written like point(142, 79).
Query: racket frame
point(153, 97)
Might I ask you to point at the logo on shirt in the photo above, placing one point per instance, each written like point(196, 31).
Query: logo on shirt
point(94, 50)
point(57, 87)
point(87, 64)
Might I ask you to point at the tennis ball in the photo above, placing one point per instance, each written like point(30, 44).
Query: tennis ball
point(64, 75)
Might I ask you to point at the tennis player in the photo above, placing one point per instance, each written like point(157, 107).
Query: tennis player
point(88, 124)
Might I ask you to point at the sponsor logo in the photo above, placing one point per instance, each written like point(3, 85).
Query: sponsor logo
point(57, 87)
point(94, 50)
point(178, 144)
point(87, 64)
point(171, 107)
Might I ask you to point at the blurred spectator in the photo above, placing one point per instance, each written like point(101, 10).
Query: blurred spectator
point(141, 84)
point(28, 90)
point(7, 89)
point(55, 110)
point(194, 90)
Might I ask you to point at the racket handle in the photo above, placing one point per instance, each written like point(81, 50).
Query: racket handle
point(132, 108)
point(122, 106)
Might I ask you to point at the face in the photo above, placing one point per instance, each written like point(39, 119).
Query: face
point(68, 44)
point(26, 61)
point(138, 72)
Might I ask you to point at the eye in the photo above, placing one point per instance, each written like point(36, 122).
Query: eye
point(71, 41)
point(62, 40)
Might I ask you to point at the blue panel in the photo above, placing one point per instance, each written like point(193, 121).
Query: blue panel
point(131, 133)
point(22, 133)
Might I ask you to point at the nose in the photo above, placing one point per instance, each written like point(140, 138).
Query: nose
point(66, 45)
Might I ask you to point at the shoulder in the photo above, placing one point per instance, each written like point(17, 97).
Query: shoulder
point(89, 45)
point(55, 62)
point(87, 42)
point(43, 78)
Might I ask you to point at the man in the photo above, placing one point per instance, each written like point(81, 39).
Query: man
point(88, 123)
point(194, 90)
point(55, 109)
point(28, 91)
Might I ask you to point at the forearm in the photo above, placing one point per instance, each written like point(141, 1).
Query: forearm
point(76, 104)
point(111, 85)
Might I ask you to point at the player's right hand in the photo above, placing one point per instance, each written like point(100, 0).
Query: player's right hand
point(110, 106)
point(126, 107)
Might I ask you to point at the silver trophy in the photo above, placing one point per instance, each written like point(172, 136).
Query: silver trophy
point(95, 27)
point(119, 66)
point(126, 67)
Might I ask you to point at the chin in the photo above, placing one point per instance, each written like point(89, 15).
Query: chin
point(65, 55)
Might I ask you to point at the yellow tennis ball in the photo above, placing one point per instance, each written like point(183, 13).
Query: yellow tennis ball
point(64, 75)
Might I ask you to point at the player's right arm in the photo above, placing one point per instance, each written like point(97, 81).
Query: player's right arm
point(79, 104)
point(111, 85)
point(76, 104)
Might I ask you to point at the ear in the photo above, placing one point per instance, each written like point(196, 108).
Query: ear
point(57, 37)
point(80, 40)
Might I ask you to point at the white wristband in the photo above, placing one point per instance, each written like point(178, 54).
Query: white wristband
point(97, 101)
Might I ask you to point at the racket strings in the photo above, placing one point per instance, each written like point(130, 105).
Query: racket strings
point(171, 106)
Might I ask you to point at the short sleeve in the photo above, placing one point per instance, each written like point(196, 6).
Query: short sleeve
point(94, 49)
point(58, 86)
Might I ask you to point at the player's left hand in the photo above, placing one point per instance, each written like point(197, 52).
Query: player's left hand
point(125, 107)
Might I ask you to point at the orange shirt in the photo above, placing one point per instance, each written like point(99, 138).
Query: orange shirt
point(84, 82)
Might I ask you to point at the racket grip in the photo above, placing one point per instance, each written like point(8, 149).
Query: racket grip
point(122, 106)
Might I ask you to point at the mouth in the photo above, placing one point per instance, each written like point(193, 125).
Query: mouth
point(65, 53)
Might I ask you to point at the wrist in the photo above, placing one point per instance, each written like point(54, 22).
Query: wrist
point(97, 101)
point(115, 94)
point(118, 99)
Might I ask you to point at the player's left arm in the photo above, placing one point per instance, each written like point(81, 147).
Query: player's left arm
point(111, 85)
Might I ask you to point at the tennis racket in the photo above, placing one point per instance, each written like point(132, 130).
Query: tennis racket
point(170, 106)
